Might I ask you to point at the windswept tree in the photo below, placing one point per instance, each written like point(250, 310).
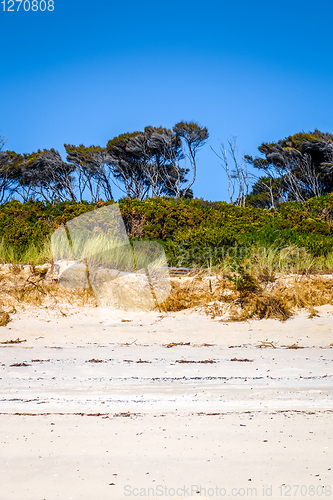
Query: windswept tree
point(6, 162)
point(194, 137)
point(9, 174)
point(3, 141)
point(39, 175)
point(296, 168)
point(44, 175)
point(127, 165)
point(160, 150)
point(93, 172)
point(147, 163)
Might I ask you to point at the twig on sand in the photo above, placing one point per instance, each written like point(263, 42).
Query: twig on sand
point(267, 344)
point(17, 341)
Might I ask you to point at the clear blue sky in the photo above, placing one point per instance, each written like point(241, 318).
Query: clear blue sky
point(91, 70)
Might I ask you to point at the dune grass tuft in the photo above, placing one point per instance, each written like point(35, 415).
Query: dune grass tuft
point(10, 254)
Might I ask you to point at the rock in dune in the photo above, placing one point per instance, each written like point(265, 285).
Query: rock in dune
point(72, 274)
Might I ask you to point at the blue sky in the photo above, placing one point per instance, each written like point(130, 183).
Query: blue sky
point(91, 70)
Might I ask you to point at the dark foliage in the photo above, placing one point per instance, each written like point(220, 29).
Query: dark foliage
point(146, 164)
point(295, 169)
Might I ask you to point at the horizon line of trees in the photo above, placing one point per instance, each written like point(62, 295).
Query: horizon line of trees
point(155, 162)
point(163, 162)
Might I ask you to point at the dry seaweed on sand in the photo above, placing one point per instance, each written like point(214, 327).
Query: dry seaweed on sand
point(242, 360)
point(24, 363)
point(174, 344)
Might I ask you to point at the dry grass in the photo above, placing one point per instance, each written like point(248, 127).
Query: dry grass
point(27, 285)
point(4, 318)
point(190, 292)
point(236, 296)
point(242, 298)
point(266, 262)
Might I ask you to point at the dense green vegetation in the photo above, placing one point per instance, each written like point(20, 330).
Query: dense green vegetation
point(194, 232)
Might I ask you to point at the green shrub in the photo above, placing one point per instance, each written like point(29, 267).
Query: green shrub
point(194, 232)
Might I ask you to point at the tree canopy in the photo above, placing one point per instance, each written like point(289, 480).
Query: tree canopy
point(143, 164)
point(147, 162)
point(293, 169)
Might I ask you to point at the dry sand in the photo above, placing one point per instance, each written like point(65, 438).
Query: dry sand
point(103, 405)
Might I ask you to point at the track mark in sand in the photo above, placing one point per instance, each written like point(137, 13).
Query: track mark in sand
point(204, 361)
point(204, 345)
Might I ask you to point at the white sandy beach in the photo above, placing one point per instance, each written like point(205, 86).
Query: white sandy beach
point(105, 405)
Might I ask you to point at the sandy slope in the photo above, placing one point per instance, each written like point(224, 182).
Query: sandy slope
point(244, 411)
